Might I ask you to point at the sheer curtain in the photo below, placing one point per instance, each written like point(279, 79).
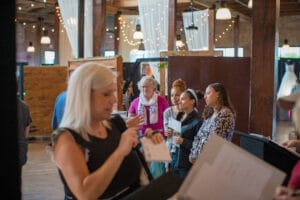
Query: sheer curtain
point(154, 16)
point(126, 42)
point(196, 39)
point(88, 28)
point(69, 12)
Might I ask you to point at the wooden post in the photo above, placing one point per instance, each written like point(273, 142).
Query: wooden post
point(99, 26)
point(80, 28)
point(263, 72)
point(172, 24)
point(236, 29)
point(117, 33)
point(56, 36)
point(211, 27)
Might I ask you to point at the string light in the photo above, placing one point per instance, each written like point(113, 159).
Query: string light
point(224, 32)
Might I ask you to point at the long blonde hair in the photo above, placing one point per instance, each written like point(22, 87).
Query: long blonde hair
point(77, 113)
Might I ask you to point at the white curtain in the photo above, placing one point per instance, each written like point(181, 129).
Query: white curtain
point(196, 39)
point(88, 28)
point(126, 41)
point(154, 16)
point(65, 49)
point(69, 12)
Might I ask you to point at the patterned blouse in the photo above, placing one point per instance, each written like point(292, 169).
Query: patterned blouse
point(222, 124)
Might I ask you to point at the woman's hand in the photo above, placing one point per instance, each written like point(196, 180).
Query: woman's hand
point(134, 121)
point(129, 140)
point(179, 140)
point(285, 193)
point(169, 132)
point(155, 136)
point(191, 160)
point(291, 143)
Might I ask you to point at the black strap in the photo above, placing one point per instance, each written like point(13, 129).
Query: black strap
point(143, 162)
point(119, 122)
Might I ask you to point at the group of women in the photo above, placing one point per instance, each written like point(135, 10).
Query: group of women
point(95, 153)
point(218, 117)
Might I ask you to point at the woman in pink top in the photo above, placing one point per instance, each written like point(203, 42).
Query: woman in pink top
point(149, 105)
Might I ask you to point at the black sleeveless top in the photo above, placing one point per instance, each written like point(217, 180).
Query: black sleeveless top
point(98, 150)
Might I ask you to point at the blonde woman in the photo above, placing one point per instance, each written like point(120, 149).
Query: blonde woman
point(94, 151)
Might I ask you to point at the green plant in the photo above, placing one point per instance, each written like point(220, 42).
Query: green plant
point(162, 65)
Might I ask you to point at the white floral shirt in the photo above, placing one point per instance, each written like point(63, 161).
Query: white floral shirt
point(222, 124)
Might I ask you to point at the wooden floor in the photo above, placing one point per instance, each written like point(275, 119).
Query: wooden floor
point(40, 180)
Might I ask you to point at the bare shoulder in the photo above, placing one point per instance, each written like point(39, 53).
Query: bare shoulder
point(64, 138)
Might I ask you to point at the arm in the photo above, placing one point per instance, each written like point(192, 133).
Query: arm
point(291, 143)
point(188, 143)
point(132, 110)
point(167, 115)
point(54, 124)
point(224, 124)
point(195, 148)
point(86, 185)
point(27, 130)
point(28, 122)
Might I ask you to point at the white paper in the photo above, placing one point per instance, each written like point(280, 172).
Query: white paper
point(223, 169)
point(175, 125)
point(155, 152)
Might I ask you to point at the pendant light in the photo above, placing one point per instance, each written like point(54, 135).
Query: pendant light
point(45, 39)
point(285, 44)
point(250, 4)
point(138, 35)
point(192, 25)
point(223, 13)
point(179, 42)
point(30, 48)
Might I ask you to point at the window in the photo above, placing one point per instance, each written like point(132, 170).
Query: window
point(290, 52)
point(49, 57)
point(109, 53)
point(229, 52)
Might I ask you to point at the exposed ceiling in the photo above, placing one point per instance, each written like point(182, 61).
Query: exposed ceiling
point(30, 10)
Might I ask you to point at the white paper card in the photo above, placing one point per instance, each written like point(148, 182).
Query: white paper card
point(228, 167)
point(226, 171)
point(155, 152)
point(175, 125)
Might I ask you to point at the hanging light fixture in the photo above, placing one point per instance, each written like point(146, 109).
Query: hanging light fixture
point(30, 48)
point(223, 13)
point(192, 25)
point(179, 42)
point(45, 38)
point(141, 46)
point(250, 4)
point(138, 35)
point(285, 44)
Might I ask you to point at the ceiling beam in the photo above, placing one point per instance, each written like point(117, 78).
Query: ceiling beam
point(134, 3)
